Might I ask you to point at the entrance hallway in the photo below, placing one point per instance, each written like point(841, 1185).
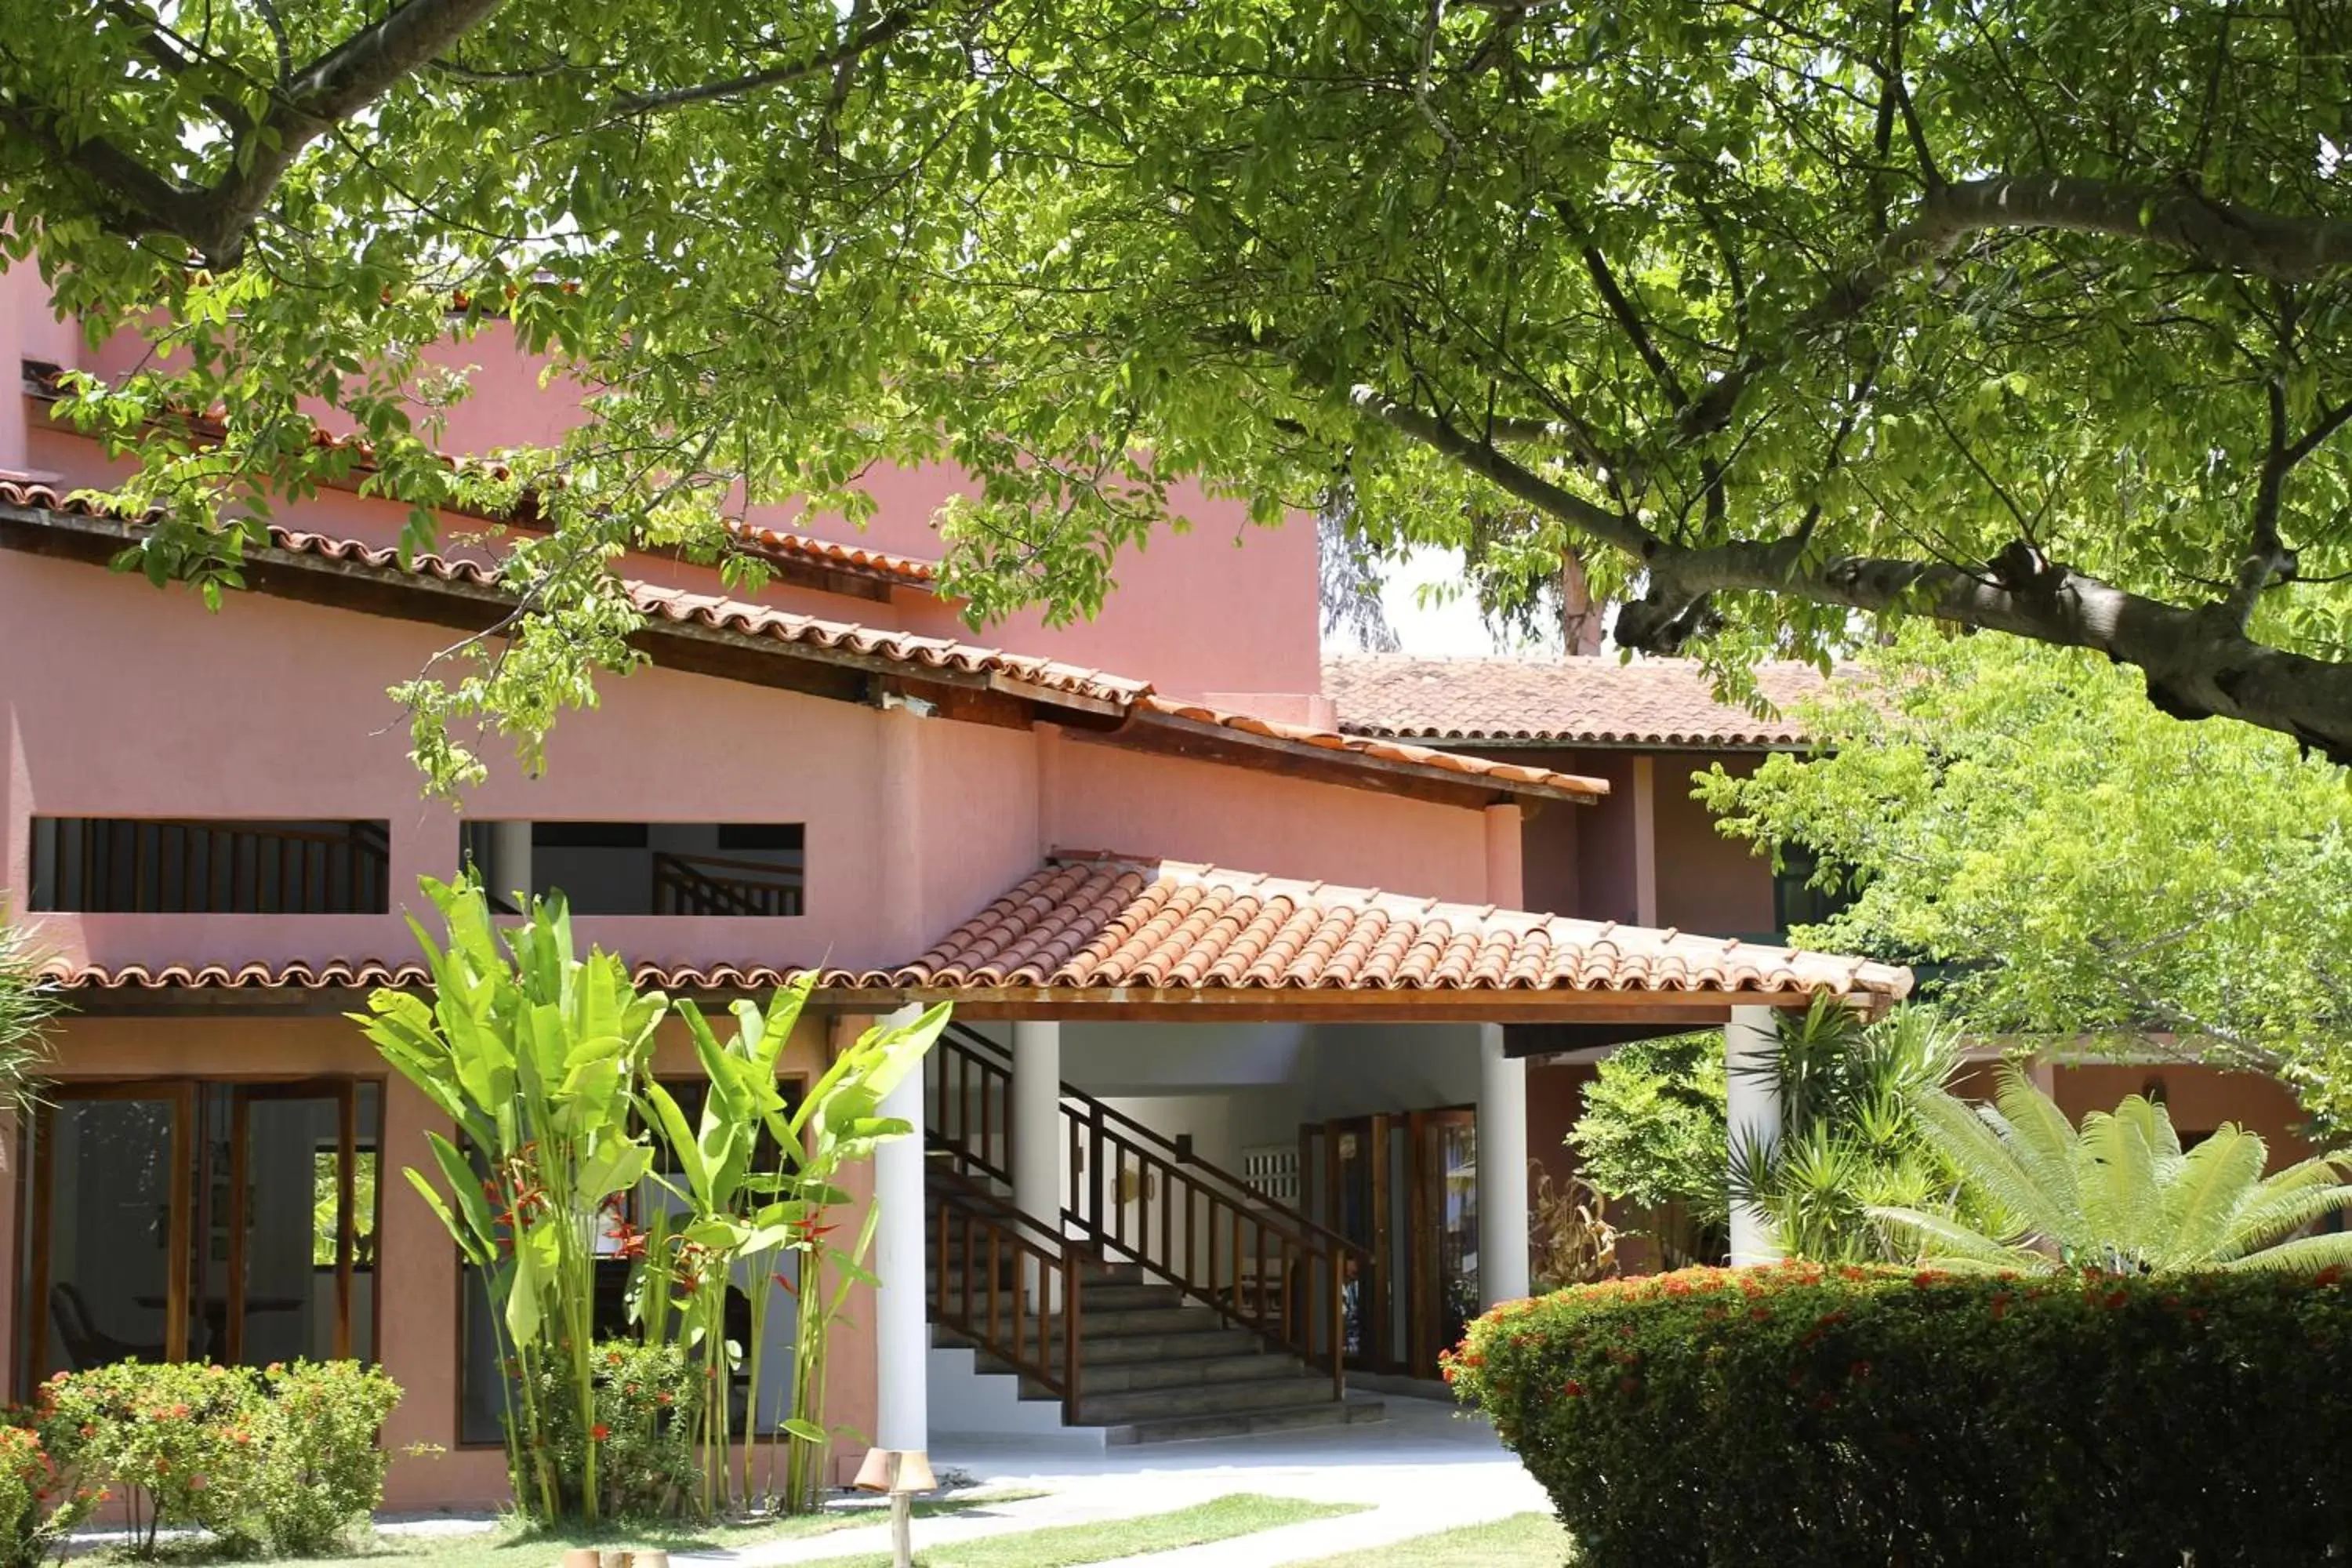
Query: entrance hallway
point(1423, 1470)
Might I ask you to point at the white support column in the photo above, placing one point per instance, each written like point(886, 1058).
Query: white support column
point(1751, 1040)
point(1502, 1170)
point(507, 876)
point(1036, 1154)
point(1036, 1160)
point(902, 1342)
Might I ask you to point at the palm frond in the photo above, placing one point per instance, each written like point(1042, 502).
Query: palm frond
point(2275, 1214)
point(1975, 1146)
point(1947, 1244)
point(2305, 1255)
point(2208, 1192)
point(2042, 1142)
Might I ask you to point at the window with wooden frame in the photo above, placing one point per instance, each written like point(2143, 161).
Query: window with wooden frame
point(186, 1219)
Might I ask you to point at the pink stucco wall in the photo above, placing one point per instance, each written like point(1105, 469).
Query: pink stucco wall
point(1224, 607)
point(122, 701)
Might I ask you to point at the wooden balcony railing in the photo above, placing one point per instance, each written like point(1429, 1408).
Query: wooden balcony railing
point(709, 885)
point(173, 866)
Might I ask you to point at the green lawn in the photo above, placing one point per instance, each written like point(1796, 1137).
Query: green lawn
point(1523, 1541)
point(512, 1546)
point(1067, 1545)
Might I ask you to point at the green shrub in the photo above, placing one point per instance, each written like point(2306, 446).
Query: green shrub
point(286, 1456)
point(321, 1467)
point(179, 1440)
point(1800, 1415)
point(41, 1497)
point(648, 1404)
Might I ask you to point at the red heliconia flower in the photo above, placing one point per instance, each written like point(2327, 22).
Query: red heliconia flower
point(600, 1431)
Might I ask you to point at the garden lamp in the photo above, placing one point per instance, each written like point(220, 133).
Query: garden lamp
point(901, 1473)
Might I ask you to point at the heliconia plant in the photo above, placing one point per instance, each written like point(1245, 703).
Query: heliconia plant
point(743, 1220)
point(538, 1058)
point(543, 1061)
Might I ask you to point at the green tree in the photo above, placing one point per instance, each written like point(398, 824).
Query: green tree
point(28, 1005)
point(712, 219)
point(2030, 314)
point(1653, 1134)
point(2026, 313)
point(2119, 1195)
point(2091, 871)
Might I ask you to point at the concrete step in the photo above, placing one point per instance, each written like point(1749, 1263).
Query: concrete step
point(1188, 1428)
point(1140, 1405)
point(1185, 1371)
point(1134, 1350)
point(1098, 1299)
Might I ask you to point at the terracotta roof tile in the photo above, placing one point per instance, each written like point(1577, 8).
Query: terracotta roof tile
point(1088, 924)
point(1568, 702)
point(1378, 748)
point(1085, 923)
point(720, 613)
point(364, 973)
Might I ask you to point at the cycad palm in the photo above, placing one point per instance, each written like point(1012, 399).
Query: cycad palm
point(2119, 1194)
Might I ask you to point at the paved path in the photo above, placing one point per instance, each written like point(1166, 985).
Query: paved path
point(1423, 1469)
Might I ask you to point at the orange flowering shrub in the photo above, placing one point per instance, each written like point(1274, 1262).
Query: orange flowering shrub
point(1804, 1415)
point(287, 1456)
point(41, 1497)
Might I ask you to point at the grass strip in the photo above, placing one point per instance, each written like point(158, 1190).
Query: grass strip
point(1522, 1541)
point(1105, 1540)
point(516, 1546)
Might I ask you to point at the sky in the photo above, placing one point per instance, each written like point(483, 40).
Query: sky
point(1451, 629)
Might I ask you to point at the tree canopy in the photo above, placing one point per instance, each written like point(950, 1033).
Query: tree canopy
point(2091, 872)
point(2027, 314)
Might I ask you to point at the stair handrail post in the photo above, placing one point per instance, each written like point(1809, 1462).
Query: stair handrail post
point(1095, 1133)
point(1071, 1328)
point(1339, 1324)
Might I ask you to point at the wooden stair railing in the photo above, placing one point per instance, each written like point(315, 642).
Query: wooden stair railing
point(713, 885)
point(1001, 1276)
point(1152, 1201)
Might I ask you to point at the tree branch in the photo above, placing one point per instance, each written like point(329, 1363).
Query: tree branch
point(2198, 661)
point(859, 43)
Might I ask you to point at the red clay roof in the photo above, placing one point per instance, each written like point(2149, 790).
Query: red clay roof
point(364, 973)
point(1118, 695)
point(1568, 702)
point(1085, 923)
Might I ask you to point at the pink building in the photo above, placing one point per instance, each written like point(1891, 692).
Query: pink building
point(1242, 999)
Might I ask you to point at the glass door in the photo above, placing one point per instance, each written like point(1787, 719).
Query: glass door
point(1445, 1219)
point(287, 1266)
point(173, 1220)
point(1356, 1180)
point(111, 1213)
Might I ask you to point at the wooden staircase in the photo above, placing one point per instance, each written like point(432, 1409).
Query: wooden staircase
point(1202, 1309)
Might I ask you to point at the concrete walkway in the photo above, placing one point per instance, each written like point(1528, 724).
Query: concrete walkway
point(1423, 1470)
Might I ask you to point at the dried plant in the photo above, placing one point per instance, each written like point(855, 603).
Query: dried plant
point(1569, 1239)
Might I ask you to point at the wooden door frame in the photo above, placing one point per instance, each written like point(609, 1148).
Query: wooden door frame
point(1426, 1306)
point(179, 1093)
point(182, 1092)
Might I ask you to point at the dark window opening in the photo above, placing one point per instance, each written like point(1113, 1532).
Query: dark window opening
point(1798, 897)
point(728, 868)
point(119, 865)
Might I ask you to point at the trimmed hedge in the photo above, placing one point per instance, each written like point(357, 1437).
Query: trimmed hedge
point(1798, 1415)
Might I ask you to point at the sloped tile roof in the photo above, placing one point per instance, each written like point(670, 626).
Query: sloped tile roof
point(1092, 924)
point(1087, 923)
point(1113, 693)
point(365, 974)
point(1377, 747)
point(1595, 702)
